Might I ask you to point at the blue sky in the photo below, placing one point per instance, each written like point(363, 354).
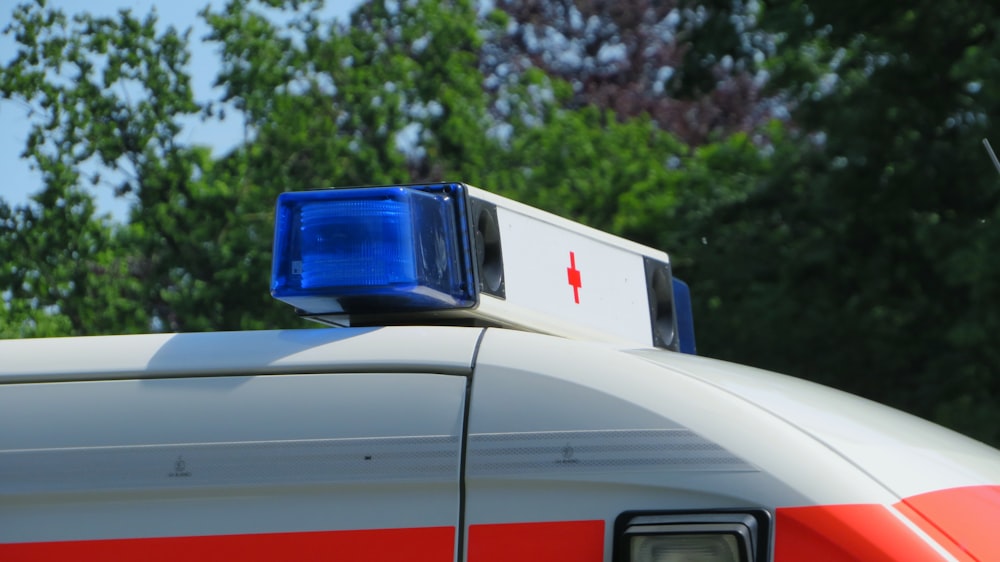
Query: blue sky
point(19, 181)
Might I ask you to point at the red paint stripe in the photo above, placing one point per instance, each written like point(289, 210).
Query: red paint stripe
point(566, 541)
point(846, 533)
point(962, 520)
point(969, 517)
point(934, 533)
point(429, 544)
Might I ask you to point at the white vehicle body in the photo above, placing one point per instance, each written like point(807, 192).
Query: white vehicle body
point(490, 442)
point(447, 443)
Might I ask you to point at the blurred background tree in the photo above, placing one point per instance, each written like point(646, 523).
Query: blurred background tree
point(813, 167)
point(865, 258)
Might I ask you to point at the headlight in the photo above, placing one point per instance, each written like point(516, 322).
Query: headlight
point(694, 537)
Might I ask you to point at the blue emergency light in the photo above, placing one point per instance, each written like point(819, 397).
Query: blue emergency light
point(374, 250)
point(685, 317)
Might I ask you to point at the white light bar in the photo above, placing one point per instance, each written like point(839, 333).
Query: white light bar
point(528, 269)
point(564, 278)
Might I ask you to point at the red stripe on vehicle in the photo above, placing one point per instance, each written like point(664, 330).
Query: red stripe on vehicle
point(967, 516)
point(429, 544)
point(934, 533)
point(846, 533)
point(566, 541)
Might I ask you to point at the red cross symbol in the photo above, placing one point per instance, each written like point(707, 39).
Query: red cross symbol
point(574, 277)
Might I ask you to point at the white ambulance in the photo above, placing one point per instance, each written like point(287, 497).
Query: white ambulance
point(506, 386)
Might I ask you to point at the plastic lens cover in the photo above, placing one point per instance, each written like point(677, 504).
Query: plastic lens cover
point(686, 548)
point(374, 250)
point(695, 537)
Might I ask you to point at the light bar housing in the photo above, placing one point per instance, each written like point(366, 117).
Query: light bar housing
point(374, 250)
point(449, 253)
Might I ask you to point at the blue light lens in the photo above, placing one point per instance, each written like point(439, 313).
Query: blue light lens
point(685, 317)
point(374, 250)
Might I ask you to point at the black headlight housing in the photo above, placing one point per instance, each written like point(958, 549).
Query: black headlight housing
point(704, 536)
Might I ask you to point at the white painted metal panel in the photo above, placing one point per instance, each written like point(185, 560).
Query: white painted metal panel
point(565, 278)
point(598, 432)
point(908, 455)
point(563, 274)
point(229, 455)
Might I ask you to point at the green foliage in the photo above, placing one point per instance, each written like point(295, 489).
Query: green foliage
point(863, 260)
point(109, 94)
point(65, 276)
point(582, 164)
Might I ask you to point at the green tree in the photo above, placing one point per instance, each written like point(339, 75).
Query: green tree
point(863, 260)
point(60, 273)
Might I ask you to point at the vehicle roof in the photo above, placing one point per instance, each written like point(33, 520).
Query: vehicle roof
point(905, 453)
point(446, 350)
point(882, 442)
